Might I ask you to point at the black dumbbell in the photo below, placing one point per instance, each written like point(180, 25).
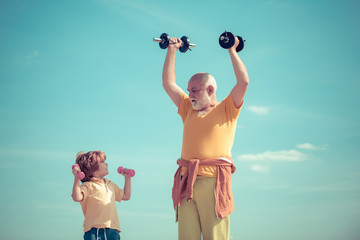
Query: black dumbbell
point(164, 42)
point(227, 40)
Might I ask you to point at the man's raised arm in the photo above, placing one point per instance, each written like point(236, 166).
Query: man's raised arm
point(242, 78)
point(168, 75)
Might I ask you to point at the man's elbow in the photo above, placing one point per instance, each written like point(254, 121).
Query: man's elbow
point(166, 85)
point(126, 198)
point(243, 84)
point(246, 81)
point(76, 199)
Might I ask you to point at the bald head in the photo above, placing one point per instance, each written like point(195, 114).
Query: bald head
point(206, 79)
point(202, 87)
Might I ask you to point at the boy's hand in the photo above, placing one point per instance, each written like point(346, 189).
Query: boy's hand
point(78, 174)
point(125, 172)
point(75, 170)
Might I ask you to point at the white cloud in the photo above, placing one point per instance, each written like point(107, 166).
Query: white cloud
point(283, 155)
point(309, 146)
point(260, 169)
point(259, 110)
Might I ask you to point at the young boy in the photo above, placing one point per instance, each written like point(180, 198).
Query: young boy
point(97, 196)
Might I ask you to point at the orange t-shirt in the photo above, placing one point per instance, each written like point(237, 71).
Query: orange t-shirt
point(210, 136)
point(98, 204)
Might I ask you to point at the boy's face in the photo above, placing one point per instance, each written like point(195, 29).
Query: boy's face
point(102, 170)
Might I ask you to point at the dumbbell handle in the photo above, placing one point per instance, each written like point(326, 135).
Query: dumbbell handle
point(192, 45)
point(129, 172)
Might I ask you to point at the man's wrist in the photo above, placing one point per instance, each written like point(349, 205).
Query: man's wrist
point(172, 50)
point(232, 50)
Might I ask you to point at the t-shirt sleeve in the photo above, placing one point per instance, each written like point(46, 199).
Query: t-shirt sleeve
point(85, 188)
point(184, 105)
point(119, 193)
point(230, 107)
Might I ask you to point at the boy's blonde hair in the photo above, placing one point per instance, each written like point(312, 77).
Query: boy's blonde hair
point(89, 163)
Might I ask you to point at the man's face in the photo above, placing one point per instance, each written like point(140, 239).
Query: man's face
point(198, 95)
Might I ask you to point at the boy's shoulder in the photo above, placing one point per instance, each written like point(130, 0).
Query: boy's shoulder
point(97, 182)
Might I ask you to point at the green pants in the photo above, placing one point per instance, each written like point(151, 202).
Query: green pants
point(198, 216)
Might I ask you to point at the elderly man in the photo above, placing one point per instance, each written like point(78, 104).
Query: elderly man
point(202, 193)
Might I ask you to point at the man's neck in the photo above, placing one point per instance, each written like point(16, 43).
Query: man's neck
point(204, 111)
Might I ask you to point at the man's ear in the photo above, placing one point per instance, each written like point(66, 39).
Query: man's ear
point(210, 90)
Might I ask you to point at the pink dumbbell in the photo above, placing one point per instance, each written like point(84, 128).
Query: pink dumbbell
point(79, 173)
point(129, 172)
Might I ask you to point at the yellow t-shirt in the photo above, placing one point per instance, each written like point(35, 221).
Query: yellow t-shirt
point(209, 136)
point(98, 204)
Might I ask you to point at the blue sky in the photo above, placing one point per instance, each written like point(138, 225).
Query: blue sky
point(85, 75)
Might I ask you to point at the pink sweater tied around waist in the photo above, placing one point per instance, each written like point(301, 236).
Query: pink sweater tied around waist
point(183, 185)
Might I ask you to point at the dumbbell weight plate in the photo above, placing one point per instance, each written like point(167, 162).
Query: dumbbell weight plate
point(241, 44)
point(185, 44)
point(164, 41)
point(226, 40)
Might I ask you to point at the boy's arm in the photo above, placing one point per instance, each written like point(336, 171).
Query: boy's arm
point(77, 195)
point(127, 188)
point(168, 74)
point(242, 78)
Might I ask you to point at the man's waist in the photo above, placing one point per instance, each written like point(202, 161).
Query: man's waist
point(205, 162)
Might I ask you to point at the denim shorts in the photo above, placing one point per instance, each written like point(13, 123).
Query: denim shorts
point(102, 234)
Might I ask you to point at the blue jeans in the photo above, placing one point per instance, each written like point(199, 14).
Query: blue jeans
point(99, 234)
